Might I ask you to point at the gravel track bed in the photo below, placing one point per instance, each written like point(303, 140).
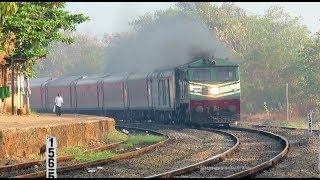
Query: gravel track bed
point(186, 147)
point(254, 149)
point(302, 158)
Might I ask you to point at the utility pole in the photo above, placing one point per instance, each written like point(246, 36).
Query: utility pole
point(12, 87)
point(28, 95)
point(287, 94)
point(18, 89)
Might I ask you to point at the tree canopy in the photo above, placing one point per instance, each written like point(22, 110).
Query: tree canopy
point(36, 25)
point(6, 39)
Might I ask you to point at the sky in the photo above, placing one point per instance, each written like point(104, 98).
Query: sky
point(112, 17)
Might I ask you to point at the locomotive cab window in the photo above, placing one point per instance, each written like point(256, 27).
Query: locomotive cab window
point(201, 74)
point(226, 73)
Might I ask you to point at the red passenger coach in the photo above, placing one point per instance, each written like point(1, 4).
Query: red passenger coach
point(114, 97)
point(88, 94)
point(37, 97)
point(137, 85)
point(138, 95)
point(64, 86)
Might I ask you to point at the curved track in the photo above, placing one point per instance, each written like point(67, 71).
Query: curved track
point(252, 152)
point(197, 166)
point(258, 150)
point(178, 152)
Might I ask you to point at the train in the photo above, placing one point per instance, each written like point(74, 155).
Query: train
point(205, 90)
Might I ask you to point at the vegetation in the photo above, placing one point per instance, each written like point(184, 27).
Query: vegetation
point(72, 150)
point(300, 123)
point(115, 136)
point(141, 139)
point(6, 39)
point(35, 26)
point(80, 155)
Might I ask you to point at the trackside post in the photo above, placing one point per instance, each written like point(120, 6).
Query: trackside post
point(51, 157)
point(310, 122)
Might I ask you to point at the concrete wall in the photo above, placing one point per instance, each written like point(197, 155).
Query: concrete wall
point(24, 142)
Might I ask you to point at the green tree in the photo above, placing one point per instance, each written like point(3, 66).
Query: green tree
point(6, 39)
point(306, 72)
point(36, 25)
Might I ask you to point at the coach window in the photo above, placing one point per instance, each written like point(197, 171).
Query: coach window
point(164, 92)
point(181, 89)
point(159, 92)
point(168, 89)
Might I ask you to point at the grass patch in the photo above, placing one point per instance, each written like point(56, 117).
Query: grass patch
point(115, 136)
point(140, 139)
point(91, 156)
point(80, 155)
point(72, 150)
point(297, 124)
point(292, 123)
point(112, 137)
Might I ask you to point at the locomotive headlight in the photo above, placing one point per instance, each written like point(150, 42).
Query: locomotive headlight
point(214, 91)
point(195, 88)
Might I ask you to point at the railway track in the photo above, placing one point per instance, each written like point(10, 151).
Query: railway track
point(258, 150)
point(302, 158)
point(252, 152)
point(187, 146)
point(28, 170)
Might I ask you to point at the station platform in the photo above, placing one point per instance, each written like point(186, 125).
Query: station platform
point(22, 136)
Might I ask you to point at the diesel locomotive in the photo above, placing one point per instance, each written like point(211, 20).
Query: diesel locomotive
point(202, 91)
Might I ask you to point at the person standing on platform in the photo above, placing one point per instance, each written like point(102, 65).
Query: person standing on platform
point(58, 103)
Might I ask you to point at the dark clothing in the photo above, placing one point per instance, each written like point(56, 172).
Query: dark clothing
point(58, 110)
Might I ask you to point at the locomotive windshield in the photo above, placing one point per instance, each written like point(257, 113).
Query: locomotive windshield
point(201, 74)
point(226, 73)
point(215, 74)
